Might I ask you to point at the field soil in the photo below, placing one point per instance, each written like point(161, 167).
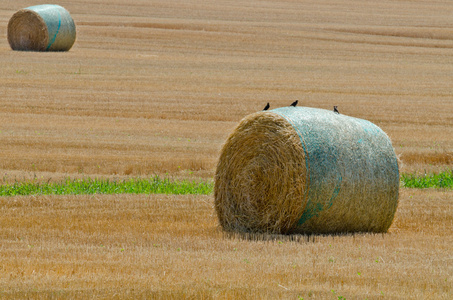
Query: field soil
point(155, 87)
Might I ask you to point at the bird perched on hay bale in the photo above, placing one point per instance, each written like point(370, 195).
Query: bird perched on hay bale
point(298, 170)
point(294, 103)
point(335, 110)
point(267, 106)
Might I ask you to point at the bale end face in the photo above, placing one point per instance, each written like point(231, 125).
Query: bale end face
point(27, 31)
point(260, 177)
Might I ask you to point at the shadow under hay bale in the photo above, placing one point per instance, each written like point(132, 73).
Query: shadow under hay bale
point(45, 27)
point(306, 170)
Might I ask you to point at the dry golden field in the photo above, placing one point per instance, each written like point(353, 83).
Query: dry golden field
point(155, 87)
point(159, 246)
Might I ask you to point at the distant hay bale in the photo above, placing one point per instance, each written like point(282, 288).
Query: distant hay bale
point(45, 27)
point(306, 170)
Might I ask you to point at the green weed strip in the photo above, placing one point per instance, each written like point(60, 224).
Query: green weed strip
point(443, 180)
point(157, 185)
point(88, 186)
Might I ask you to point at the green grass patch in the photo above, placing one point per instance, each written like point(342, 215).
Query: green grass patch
point(157, 185)
point(441, 180)
point(88, 186)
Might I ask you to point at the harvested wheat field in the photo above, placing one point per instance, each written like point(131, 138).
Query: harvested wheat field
point(170, 247)
point(156, 87)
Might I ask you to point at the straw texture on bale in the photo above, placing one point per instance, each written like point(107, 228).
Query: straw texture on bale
point(45, 27)
point(306, 170)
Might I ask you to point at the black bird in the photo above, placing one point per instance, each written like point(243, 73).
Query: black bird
point(294, 103)
point(335, 110)
point(267, 106)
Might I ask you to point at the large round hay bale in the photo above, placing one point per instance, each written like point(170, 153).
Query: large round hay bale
point(45, 27)
point(306, 170)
